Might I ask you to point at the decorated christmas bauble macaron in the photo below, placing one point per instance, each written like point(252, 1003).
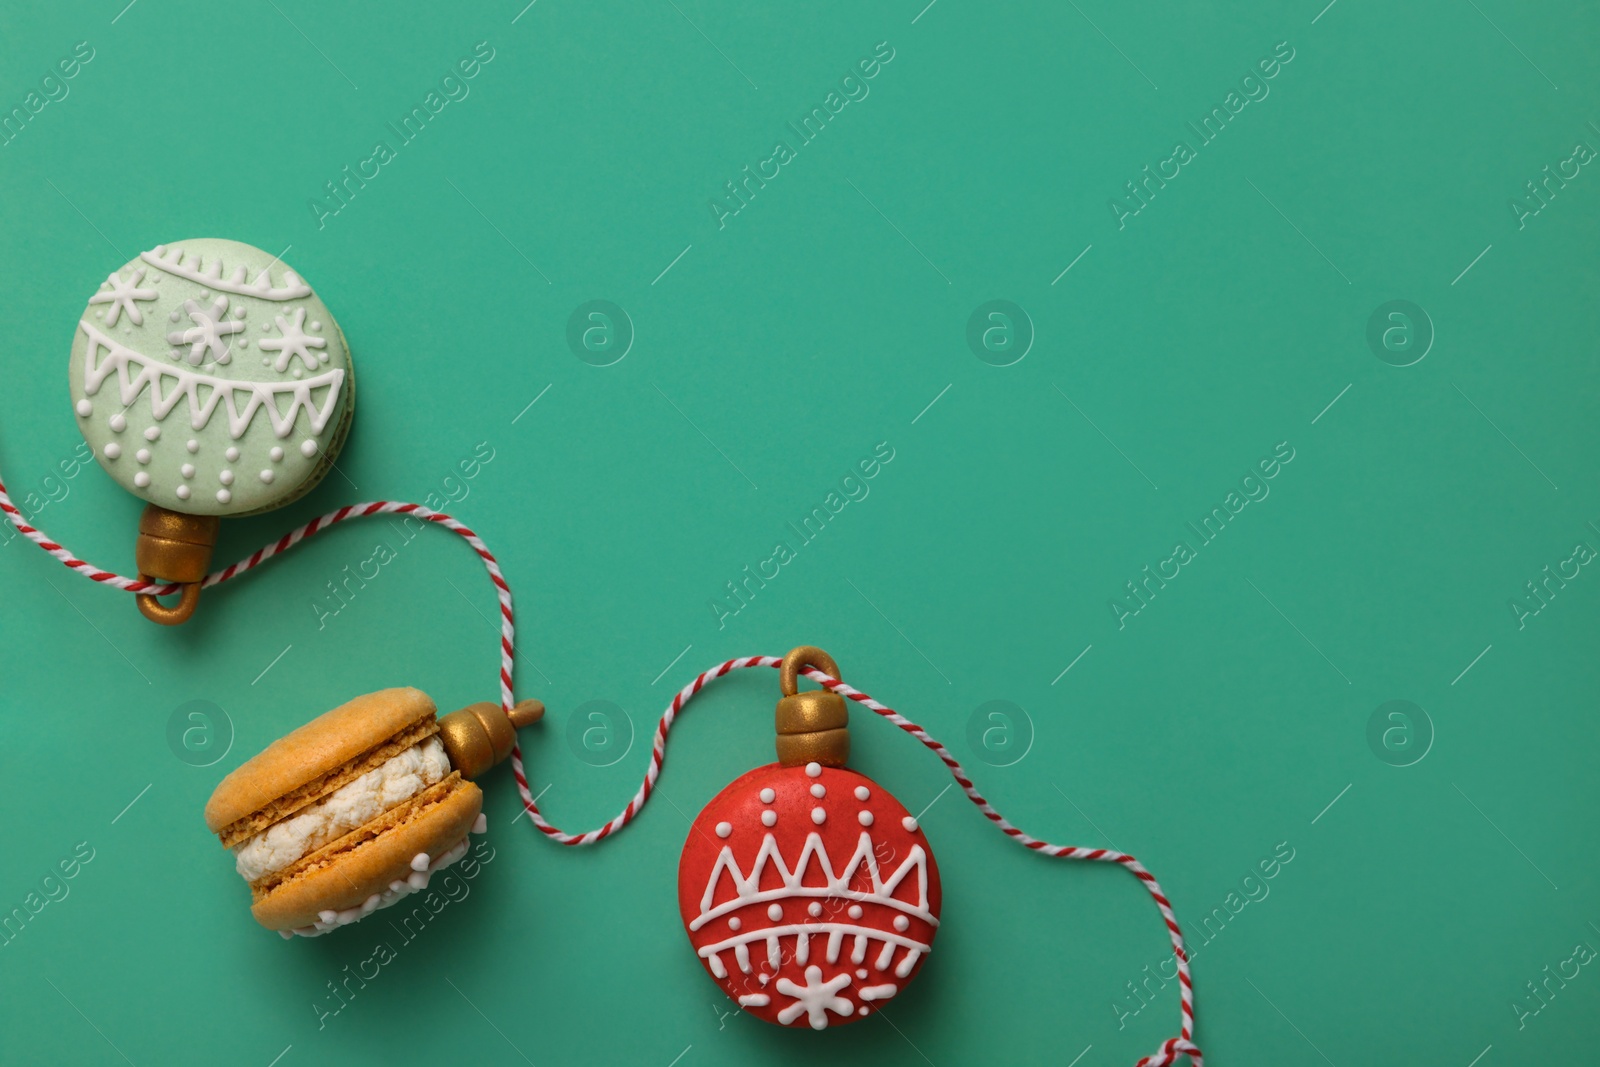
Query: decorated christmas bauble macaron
point(210, 380)
point(809, 893)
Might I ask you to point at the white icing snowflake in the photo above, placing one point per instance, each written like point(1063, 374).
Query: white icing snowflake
point(208, 332)
point(122, 294)
point(815, 999)
point(293, 342)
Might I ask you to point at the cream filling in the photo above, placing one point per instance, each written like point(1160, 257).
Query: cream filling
point(393, 782)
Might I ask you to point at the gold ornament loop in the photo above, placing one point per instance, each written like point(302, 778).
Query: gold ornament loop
point(156, 611)
point(797, 660)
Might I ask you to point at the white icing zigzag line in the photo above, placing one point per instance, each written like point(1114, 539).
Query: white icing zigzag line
point(171, 261)
point(747, 889)
point(188, 384)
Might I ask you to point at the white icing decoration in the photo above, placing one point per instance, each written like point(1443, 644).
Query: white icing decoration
point(143, 455)
point(135, 371)
point(768, 817)
point(754, 1000)
point(232, 454)
point(747, 887)
point(293, 341)
point(815, 999)
point(117, 422)
point(768, 796)
point(902, 923)
point(775, 912)
point(121, 296)
point(141, 479)
point(910, 824)
point(878, 992)
point(862, 973)
point(192, 445)
point(865, 818)
point(182, 492)
point(747, 891)
point(308, 447)
point(171, 261)
point(84, 409)
point(862, 792)
point(187, 470)
point(813, 770)
point(723, 828)
point(276, 454)
point(316, 325)
point(112, 450)
point(819, 816)
point(152, 432)
point(223, 496)
point(266, 476)
point(819, 790)
point(206, 338)
point(734, 923)
point(225, 477)
point(417, 880)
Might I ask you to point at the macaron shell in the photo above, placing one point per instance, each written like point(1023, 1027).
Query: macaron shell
point(346, 878)
point(322, 745)
point(210, 412)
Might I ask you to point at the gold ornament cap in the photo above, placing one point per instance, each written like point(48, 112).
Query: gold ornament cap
point(814, 726)
point(480, 735)
point(173, 547)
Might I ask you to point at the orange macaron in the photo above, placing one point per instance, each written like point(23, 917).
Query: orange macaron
point(347, 814)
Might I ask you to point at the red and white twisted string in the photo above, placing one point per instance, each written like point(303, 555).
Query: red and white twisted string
point(1168, 1053)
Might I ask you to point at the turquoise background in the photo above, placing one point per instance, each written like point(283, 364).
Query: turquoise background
point(1224, 722)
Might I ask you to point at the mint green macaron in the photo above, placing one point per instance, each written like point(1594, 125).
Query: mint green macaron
point(209, 379)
